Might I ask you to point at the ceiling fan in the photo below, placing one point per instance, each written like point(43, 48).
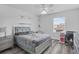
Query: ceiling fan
point(45, 8)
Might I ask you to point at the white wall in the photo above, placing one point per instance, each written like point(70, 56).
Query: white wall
point(10, 16)
point(71, 21)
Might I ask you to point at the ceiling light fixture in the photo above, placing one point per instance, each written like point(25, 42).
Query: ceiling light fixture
point(44, 12)
point(45, 8)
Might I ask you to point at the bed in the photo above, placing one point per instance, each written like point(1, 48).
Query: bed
point(34, 43)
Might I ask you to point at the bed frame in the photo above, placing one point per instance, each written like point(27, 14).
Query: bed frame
point(37, 50)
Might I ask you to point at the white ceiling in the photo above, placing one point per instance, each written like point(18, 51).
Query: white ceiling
point(35, 8)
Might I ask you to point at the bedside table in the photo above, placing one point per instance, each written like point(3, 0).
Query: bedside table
point(6, 42)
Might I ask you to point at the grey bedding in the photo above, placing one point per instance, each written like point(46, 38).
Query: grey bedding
point(35, 38)
point(31, 41)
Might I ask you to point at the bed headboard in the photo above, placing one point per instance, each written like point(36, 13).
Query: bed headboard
point(22, 30)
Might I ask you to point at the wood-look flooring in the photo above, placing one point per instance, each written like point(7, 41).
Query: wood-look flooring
point(56, 48)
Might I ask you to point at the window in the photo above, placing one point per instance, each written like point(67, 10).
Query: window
point(58, 24)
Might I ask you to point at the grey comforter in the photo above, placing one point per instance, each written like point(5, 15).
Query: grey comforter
point(31, 41)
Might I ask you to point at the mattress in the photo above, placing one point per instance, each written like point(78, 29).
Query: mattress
point(31, 41)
